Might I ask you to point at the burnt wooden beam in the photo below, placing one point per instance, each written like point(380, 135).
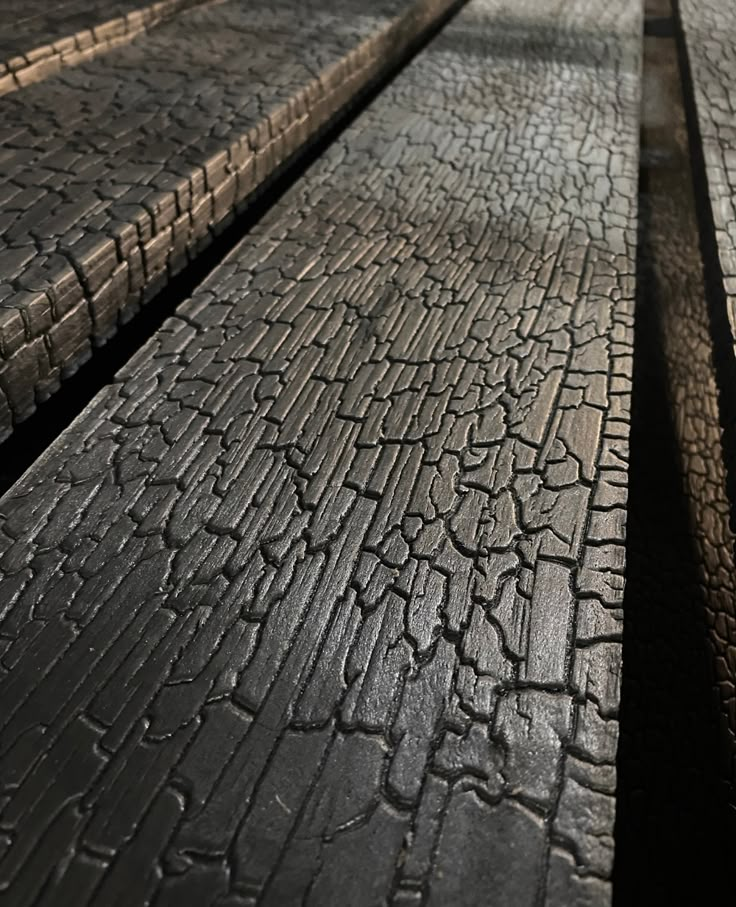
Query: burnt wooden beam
point(114, 175)
point(39, 39)
point(320, 601)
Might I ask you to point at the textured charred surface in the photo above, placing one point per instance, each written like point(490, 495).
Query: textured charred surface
point(320, 602)
point(38, 38)
point(680, 573)
point(114, 172)
point(709, 29)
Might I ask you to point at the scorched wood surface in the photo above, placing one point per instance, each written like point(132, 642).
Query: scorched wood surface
point(709, 30)
point(116, 172)
point(319, 602)
point(38, 38)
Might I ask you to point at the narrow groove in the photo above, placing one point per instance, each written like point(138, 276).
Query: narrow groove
point(724, 355)
point(31, 438)
point(674, 834)
point(659, 27)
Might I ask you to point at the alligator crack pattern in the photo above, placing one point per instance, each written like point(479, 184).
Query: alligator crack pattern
point(44, 38)
point(117, 172)
point(321, 601)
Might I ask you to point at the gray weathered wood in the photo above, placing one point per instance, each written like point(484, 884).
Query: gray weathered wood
point(320, 602)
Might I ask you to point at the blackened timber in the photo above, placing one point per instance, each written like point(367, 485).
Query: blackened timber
point(320, 601)
point(114, 175)
point(38, 38)
point(710, 71)
point(680, 571)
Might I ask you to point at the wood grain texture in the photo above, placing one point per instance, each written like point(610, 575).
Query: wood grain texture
point(115, 173)
point(320, 602)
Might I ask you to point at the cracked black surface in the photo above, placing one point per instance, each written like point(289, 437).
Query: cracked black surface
point(673, 841)
point(118, 170)
point(320, 602)
point(41, 38)
point(708, 28)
